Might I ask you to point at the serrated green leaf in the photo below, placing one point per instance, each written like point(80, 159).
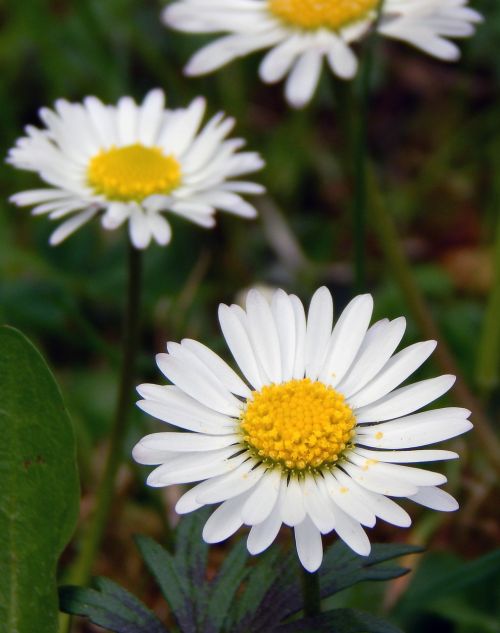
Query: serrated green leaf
point(173, 585)
point(340, 621)
point(261, 578)
point(232, 573)
point(39, 484)
point(191, 553)
point(342, 568)
point(111, 607)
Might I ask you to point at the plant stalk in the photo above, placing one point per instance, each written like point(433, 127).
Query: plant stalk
point(401, 269)
point(311, 593)
point(93, 536)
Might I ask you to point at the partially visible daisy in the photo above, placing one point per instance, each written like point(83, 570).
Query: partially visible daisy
point(131, 163)
point(303, 33)
point(316, 436)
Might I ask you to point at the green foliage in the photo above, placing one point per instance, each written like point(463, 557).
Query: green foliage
point(111, 607)
point(242, 597)
point(465, 594)
point(38, 483)
point(342, 620)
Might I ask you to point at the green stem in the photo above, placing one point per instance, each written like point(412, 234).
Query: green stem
point(360, 158)
point(311, 593)
point(401, 269)
point(488, 360)
point(94, 533)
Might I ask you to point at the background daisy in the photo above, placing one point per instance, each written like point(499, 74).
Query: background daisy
point(318, 435)
point(131, 163)
point(301, 34)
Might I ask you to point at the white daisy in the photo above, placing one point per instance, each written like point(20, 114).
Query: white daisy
point(130, 163)
point(316, 434)
point(301, 33)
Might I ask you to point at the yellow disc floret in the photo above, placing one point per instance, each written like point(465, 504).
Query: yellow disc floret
point(300, 424)
point(315, 14)
point(133, 172)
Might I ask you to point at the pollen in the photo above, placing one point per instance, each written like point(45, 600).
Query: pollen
point(316, 14)
point(133, 172)
point(299, 424)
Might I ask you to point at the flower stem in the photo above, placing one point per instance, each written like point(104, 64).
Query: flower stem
point(93, 536)
point(311, 593)
point(488, 360)
point(360, 156)
point(401, 269)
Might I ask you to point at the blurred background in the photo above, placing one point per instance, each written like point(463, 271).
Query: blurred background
point(434, 133)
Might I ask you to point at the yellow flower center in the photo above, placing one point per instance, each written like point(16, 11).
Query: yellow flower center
point(299, 424)
point(133, 172)
point(314, 14)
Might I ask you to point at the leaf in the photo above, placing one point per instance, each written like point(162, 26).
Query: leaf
point(191, 553)
point(467, 575)
point(342, 568)
point(111, 607)
point(261, 578)
point(39, 486)
point(225, 586)
point(174, 585)
point(340, 621)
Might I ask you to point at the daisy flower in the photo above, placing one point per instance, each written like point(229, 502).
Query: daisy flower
point(131, 163)
point(316, 435)
point(301, 33)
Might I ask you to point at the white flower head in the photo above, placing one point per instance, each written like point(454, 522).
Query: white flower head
point(317, 435)
point(131, 163)
point(302, 33)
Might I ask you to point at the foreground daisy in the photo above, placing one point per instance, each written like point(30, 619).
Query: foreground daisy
point(301, 33)
point(315, 435)
point(131, 163)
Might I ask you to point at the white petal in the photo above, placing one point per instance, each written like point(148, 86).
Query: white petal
point(346, 339)
point(405, 400)
point(284, 318)
point(409, 474)
point(351, 532)
point(262, 499)
point(225, 521)
point(317, 504)
point(396, 371)
point(406, 457)
point(436, 499)
point(220, 368)
point(291, 503)
point(319, 329)
point(186, 442)
point(345, 498)
point(199, 385)
point(309, 545)
point(189, 467)
point(379, 482)
point(300, 340)
point(262, 535)
point(239, 343)
point(70, 226)
point(379, 344)
point(240, 480)
point(263, 335)
point(303, 79)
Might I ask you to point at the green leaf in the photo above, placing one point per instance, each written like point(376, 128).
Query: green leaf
point(340, 621)
point(223, 590)
point(111, 607)
point(191, 553)
point(174, 585)
point(38, 483)
point(447, 582)
point(343, 568)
